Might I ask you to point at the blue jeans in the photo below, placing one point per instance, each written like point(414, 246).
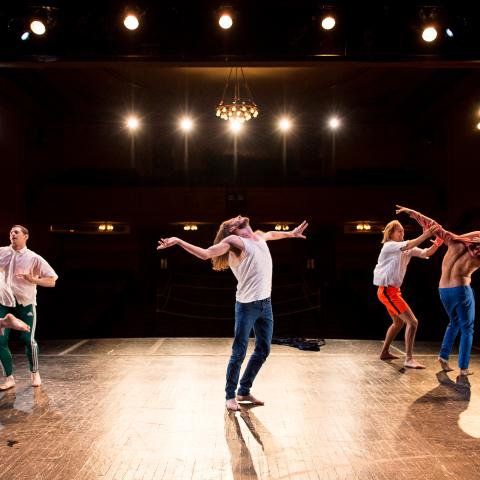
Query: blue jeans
point(257, 316)
point(459, 302)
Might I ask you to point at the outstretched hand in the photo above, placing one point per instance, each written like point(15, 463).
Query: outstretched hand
point(297, 232)
point(167, 242)
point(401, 209)
point(437, 241)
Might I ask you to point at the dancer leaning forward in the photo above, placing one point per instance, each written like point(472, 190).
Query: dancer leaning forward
point(246, 253)
point(388, 277)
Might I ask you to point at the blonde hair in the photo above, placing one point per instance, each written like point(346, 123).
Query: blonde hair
point(388, 230)
point(221, 262)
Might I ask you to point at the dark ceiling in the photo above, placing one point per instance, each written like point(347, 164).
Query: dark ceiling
point(396, 96)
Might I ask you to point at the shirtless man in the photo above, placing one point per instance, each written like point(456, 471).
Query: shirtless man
point(246, 253)
point(459, 263)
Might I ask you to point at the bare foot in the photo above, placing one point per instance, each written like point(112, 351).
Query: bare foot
point(10, 321)
point(8, 383)
point(232, 405)
point(412, 363)
point(387, 356)
point(465, 372)
point(444, 365)
point(36, 380)
point(250, 398)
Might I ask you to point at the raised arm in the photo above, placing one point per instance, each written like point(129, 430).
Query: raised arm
point(426, 223)
point(203, 253)
point(297, 232)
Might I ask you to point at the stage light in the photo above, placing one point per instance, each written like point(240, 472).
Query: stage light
point(225, 21)
point(131, 22)
point(38, 27)
point(284, 124)
point(334, 123)
point(429, 34)
point(235, 126)
point(449, 32)
point(132, 123)
point(328, 22)
point(478, 126)
point(186, 124)
point(25, 36)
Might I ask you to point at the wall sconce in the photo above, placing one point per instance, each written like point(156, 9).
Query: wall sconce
point(190, 227)
point(92, 228)
point(365, 227)
point(106, 227)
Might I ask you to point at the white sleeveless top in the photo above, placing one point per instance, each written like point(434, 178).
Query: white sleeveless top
point(254, 272)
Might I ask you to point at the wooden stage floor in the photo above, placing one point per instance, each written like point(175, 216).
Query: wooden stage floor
point(153, 408)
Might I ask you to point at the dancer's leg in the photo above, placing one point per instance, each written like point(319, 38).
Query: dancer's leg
point(466, 315)
point(410, 331)
point(245, 316)
point(447, 296)
point(5, 354)
point(392, 332)
point(263, 328)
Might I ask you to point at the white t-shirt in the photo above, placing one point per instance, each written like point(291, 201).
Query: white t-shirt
point(12, 287)
point(392, 263)
point(254, 272)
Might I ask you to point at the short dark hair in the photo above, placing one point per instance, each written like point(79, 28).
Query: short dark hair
point(22, 228)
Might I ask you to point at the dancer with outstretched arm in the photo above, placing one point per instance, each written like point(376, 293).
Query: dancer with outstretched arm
point(245, 252)
point(461, 260)
point(388, 277)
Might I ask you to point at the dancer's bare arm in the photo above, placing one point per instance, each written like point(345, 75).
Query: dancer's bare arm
point(417, 241)
point(427, 222)
point(437, 242)
point(297, 232)
point(203, 253)
point(471, 236)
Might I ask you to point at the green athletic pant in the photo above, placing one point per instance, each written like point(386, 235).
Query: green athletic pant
point(28, 314)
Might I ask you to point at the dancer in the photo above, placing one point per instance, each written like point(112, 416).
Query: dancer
point(23, 270)
point(461, 260)
point(388, 277)
point(246, 253)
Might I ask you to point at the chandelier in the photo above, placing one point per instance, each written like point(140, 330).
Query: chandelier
point(237, 101)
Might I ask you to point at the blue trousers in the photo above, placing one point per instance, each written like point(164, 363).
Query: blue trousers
point(459, 303)
point(258, 316)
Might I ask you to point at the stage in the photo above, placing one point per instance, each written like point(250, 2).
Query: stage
point(153, 408)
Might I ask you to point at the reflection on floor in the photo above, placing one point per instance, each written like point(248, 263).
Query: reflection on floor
point(153, 408)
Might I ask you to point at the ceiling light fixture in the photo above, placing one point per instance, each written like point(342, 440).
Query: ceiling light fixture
point(237, 101)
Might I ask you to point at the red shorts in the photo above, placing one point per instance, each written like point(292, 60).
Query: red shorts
point(391, 297)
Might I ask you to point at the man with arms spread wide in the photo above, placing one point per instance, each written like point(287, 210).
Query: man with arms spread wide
point(246, 253)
